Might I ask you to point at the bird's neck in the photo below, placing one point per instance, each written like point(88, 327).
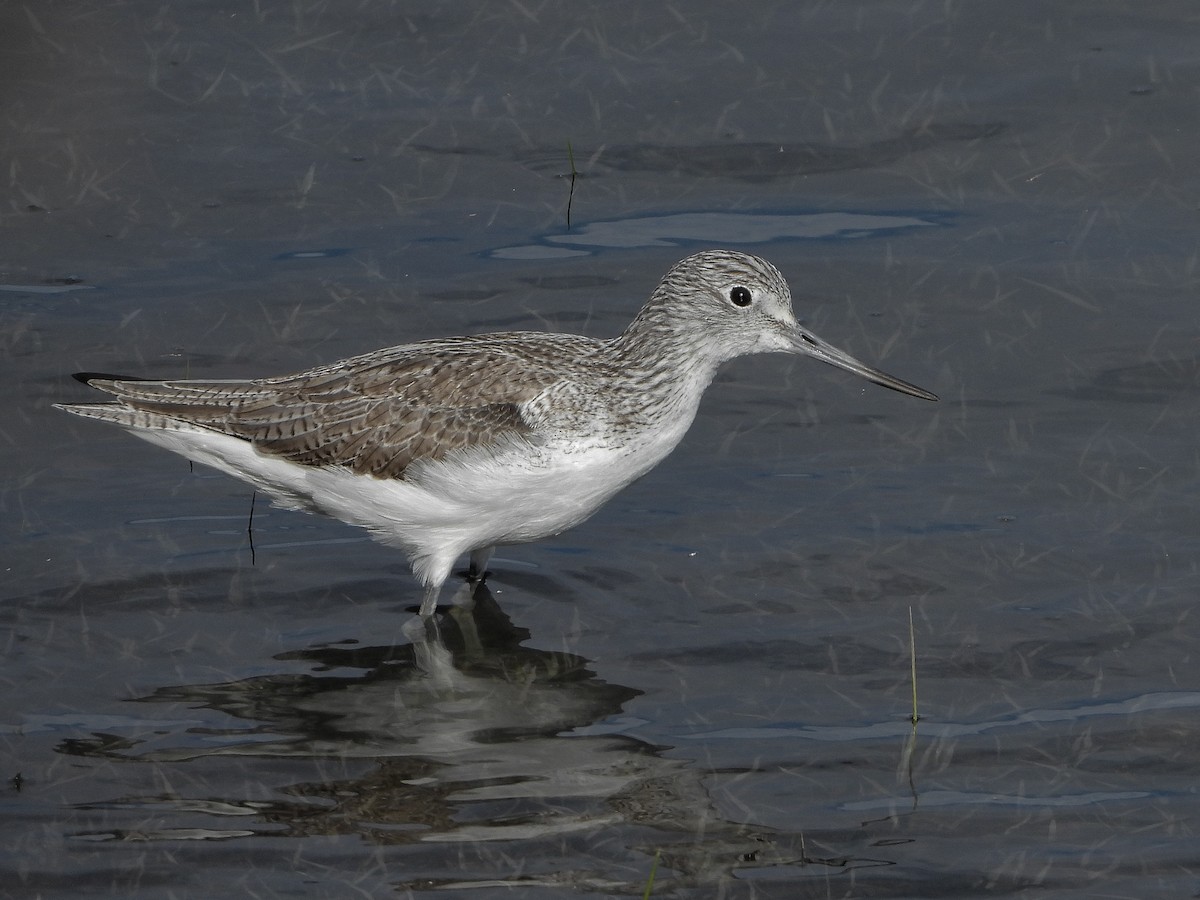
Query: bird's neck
point(654, 340)
point(669, 367)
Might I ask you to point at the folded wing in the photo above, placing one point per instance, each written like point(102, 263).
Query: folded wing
point(374, 414)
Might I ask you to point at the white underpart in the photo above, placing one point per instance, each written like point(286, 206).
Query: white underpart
point(512, 493)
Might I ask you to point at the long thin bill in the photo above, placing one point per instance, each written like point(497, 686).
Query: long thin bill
point(811, 345)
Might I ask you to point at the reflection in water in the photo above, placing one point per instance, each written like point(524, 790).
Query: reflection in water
point(461, 735)
point(708, 228)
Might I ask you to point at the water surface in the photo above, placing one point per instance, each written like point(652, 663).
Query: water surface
point(996, 202)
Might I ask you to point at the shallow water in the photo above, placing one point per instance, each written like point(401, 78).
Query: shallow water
point(994, 201)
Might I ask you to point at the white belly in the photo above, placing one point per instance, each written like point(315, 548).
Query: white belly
point(511, 494)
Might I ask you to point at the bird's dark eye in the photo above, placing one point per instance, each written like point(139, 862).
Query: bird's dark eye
point(740, 296)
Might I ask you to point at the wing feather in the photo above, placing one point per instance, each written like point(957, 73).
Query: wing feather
point(375, 414)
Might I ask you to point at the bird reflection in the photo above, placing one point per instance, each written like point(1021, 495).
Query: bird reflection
point(461, 735)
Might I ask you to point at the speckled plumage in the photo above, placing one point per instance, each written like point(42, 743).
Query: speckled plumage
point(452, 446)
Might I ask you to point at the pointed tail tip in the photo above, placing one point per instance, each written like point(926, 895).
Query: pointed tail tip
point(88, 377)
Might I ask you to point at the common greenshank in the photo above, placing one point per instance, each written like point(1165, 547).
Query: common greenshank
point(451, 447)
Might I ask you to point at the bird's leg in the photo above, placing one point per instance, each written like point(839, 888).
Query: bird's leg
point(477, 568)
point(429, 601)
point(433, 572)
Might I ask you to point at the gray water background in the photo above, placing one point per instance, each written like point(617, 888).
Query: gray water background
point(997, 201)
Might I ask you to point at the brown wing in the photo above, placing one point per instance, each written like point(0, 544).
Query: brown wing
point(375, 414)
